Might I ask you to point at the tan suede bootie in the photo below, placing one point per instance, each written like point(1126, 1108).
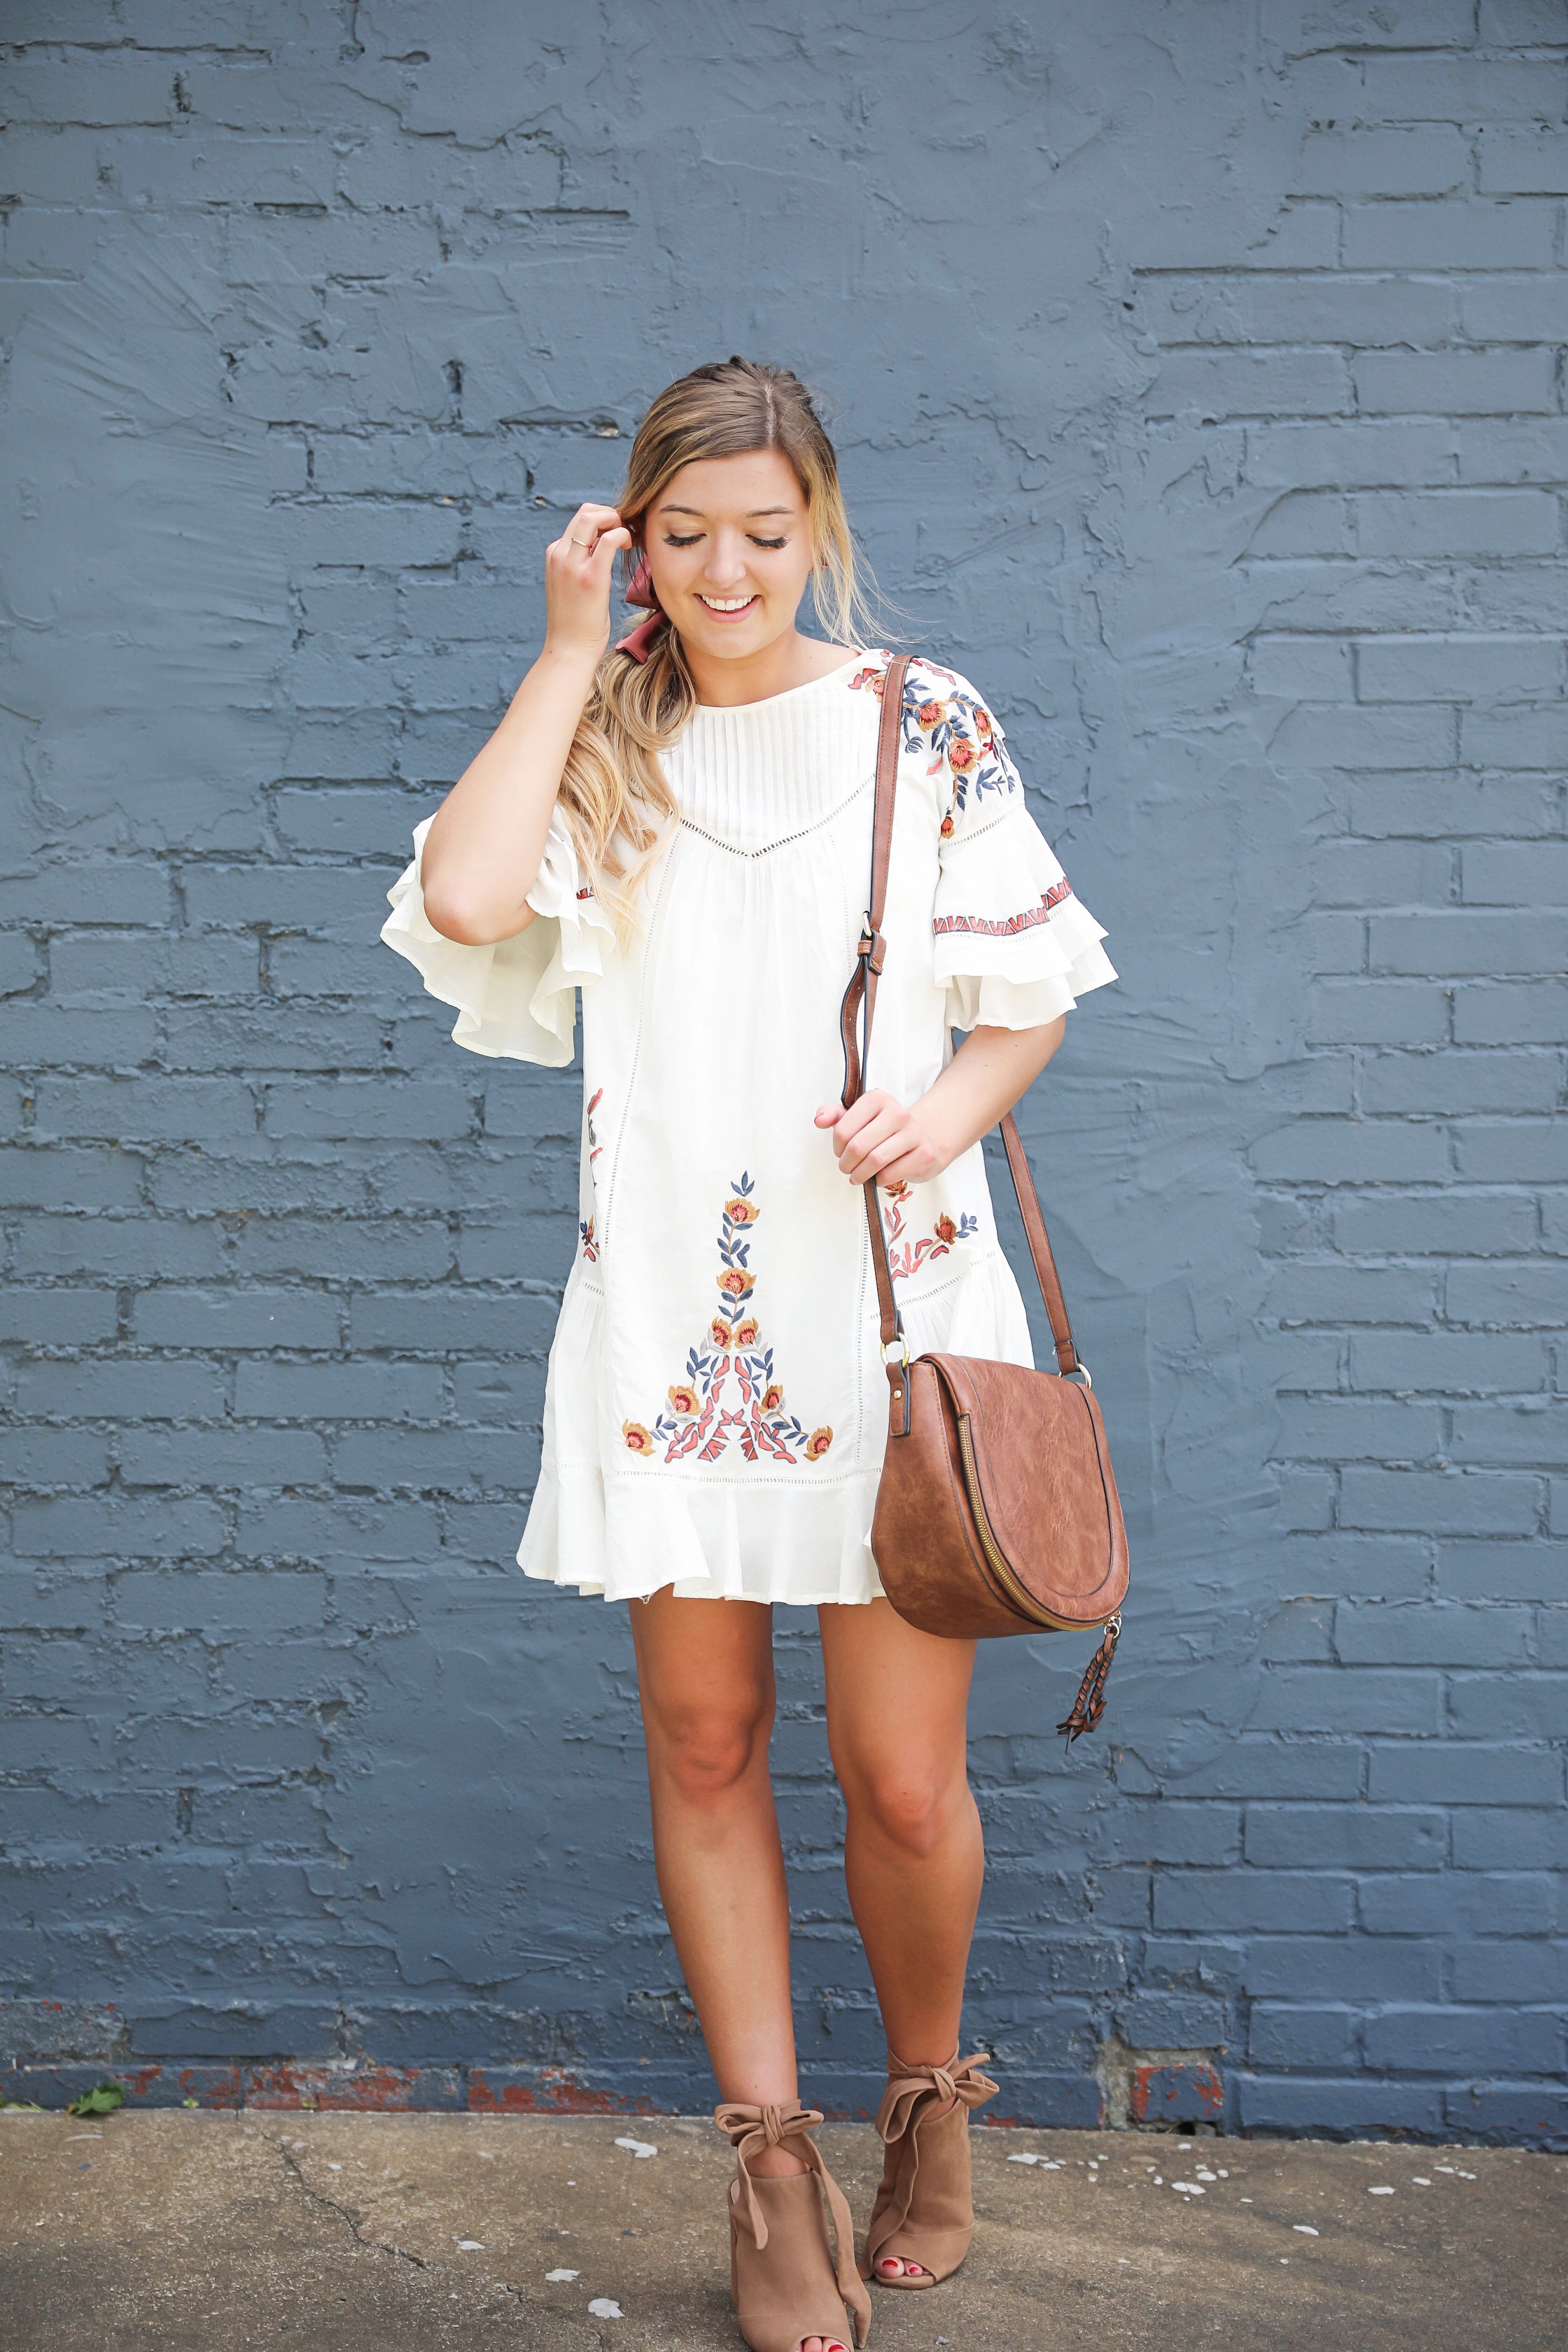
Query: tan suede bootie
point(924, 2212)
point(785, 2280)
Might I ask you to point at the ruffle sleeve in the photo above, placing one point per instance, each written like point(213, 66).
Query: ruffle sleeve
point(1012, 946)
point(517, 998)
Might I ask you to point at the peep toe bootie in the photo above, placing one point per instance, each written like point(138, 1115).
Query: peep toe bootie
point(786, 2282)
point(924, 2212)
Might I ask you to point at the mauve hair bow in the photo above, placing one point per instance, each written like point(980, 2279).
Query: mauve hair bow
point(640, 591)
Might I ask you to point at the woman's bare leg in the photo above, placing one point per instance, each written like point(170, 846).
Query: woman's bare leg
point(913, 1856)
point(705, 1674)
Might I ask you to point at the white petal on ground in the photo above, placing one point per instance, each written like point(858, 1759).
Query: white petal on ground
point(470, 2245)
point(1023, 2159)
point(552, 2278)
point(1189, 2187)
point(1420, 2180)
point(1306, 2229)
point(603, 2308)
point(1380, 2192)
point(638, 2146)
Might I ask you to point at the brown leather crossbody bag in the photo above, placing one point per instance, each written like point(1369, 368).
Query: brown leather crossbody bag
point(997, 1511)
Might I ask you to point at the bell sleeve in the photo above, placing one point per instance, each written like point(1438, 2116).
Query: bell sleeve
point(517, 998)
point(1014, 948)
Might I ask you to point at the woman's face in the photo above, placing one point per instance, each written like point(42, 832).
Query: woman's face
point(729, 545)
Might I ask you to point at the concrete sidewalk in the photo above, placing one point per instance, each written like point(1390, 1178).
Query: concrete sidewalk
point(201, 2233)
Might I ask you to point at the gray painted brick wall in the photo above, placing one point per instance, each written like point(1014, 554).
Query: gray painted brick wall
point(1197, 375)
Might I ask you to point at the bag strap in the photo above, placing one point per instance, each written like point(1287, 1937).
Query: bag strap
point(856, 1030)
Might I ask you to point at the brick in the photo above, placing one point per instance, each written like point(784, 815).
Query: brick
point(1465, 943)
point(1513, 736)
point(1440, 1502)
point(1345, 1837)
point(1517, 1705)
point(1511, 1013)
point(1303, 668)
point(1523, 1295)
point(1168, 2020)
point(1451, 1081)
point(85, 1527)
point(1328, 1699)
point(1379, 1013)
point(179, 964)
point(1510, 1151)
point(1534, 2112)
point(222, 1457)
point(34, 1457)
point(41, 1175)
point(235, 1319)
point(1394, 735)
point(57, 1318)
point(1513, 310)
point(1207, 1833)
point(1463, 1772)
point(1440, 1634)
point(1302, 1903)
point(1516, 1972)
point(1523, 162)
point(1464, 88)
point(1347, 1428)
point(1323, 2103)
point(1532, 1433)
point(1457, 668)
point(1463, 2041)
point(371, 1109)
point(474, 1322)
point(342, 1391)
point(1354, 873)
point(1250, 383)
point(1511, 874)
point(1432, 160)
point(327, 1533)
point(1416, 1224)
point(1452, 805)
point(1304, 522)
point(1483, 1570)
point(129, 1388)
point(123, 1249)
point(250, 1601)
point(1446, 524)
point(1308, 2040)
point(1351, 1151)
point(1510, 1839)
point(152, 1108)
point(35, 1035)
point(1458, 235)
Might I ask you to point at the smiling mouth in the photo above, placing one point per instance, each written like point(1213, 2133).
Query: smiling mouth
point(728, 606)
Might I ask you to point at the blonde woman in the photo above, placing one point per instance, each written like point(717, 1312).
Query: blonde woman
point(681, 827)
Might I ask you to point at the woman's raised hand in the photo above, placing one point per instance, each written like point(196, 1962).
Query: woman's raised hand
point(577, 572)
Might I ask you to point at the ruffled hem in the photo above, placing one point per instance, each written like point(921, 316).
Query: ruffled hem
point(624, 1535)
point(1012, 946)
point(517, 998)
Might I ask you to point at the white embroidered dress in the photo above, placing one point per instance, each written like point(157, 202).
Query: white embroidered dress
point(715, 1409)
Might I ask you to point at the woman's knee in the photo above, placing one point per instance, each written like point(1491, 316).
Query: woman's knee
point(705, 1751)
point(912, 1807)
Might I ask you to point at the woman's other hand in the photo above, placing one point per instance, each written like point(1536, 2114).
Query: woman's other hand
point(578, 570)
point(879, 1136)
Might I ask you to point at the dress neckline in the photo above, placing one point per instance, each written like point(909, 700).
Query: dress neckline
point(770, 701)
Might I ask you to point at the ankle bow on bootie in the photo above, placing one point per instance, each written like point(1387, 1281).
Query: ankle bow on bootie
point(749, 2131)
point(916, 2107)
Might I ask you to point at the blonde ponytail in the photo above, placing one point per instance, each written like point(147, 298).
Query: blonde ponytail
point(614, 795)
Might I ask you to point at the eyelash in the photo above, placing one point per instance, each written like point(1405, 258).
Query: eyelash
point(670, 541)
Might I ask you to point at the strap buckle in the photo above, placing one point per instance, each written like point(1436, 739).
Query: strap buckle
point(1079, 1366)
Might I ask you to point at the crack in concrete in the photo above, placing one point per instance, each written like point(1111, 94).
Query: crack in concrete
point(330, 2205)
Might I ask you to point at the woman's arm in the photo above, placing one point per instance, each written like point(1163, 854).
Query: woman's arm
point(482, 852)
point(905, 1144)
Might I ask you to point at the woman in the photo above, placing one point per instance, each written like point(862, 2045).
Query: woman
point(681, 827)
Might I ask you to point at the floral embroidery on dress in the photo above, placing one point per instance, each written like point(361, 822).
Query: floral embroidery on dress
point(954, 725)
point(730, 1362)
point(914, 1255)
point(1007, 927)
point(585, 1224)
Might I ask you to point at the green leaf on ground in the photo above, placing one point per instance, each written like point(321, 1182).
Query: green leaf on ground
point(101, 2100)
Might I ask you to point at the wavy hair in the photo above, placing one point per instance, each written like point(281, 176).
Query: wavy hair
point(614, 795)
